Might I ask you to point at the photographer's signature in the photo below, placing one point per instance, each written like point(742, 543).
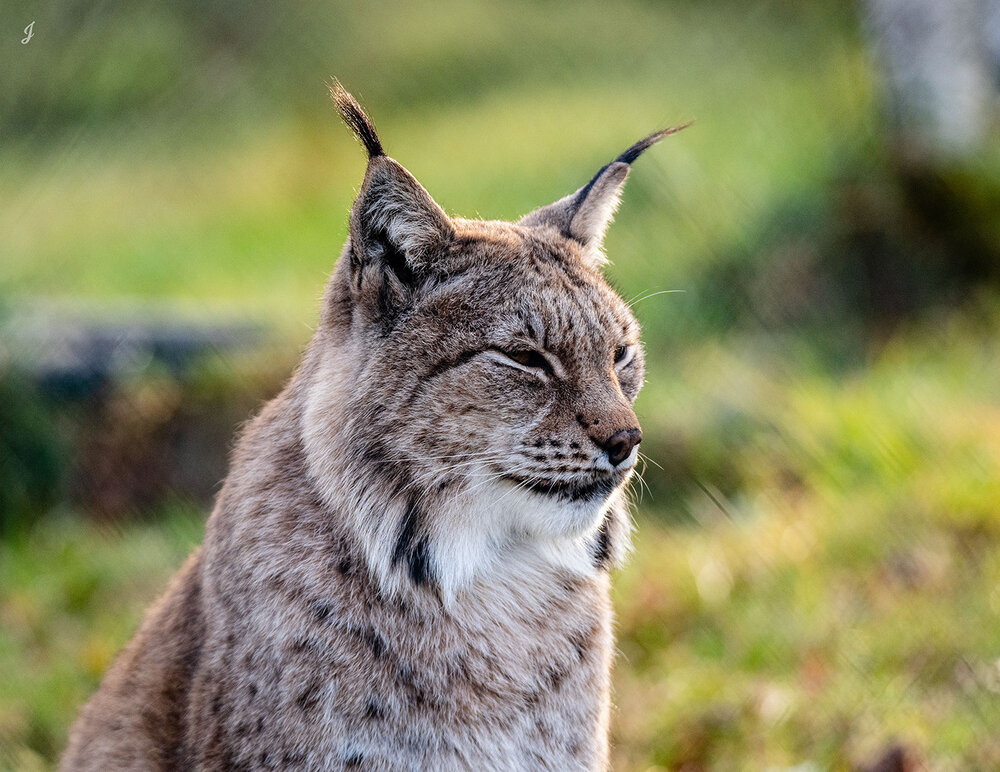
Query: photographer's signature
point(30, 32)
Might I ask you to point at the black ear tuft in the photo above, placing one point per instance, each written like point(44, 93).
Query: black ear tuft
point(647, 142)
point(356, 119)
point(629, 156)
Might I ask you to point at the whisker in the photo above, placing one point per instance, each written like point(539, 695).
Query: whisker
point(490, 477)
point(518, 486)
point(422, 457)
point(433, 473)
point(644, 485)
point(644, 457)
point(642, 297)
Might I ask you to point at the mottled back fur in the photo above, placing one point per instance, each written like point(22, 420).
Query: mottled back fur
point(407, 565)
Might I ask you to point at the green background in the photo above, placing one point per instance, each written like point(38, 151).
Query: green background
point(818, 538)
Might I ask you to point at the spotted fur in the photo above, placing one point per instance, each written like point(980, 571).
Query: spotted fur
point(407, 567)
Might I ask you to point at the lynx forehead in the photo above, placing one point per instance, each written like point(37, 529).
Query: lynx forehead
point(407, 565)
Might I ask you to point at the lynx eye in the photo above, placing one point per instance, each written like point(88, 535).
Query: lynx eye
point(526, 359)
point(623, 355)
point(529, 358)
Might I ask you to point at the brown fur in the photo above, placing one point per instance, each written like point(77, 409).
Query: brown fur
point(407, 565)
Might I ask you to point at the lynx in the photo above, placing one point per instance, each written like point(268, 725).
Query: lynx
point(407, 567)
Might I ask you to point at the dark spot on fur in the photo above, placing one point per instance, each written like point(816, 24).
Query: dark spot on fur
point(321, 610)
point(602, 544)
point(260, 725)
point(574, 446)
point(539, 457)
point(344, 566)
point(252, 691)
point(375, 642)
point(539, 443)
point(308, 699)
point(409, 538)
point(374, 710)
point(354, 761)
point(420, 563)
point(413, 547)
point(405, 677)
point(555, 443)
point(554, 676)
point(579, 642)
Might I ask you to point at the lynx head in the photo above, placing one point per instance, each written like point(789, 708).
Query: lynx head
point(471, 383)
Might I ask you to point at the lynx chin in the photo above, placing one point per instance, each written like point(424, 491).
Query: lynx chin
point(407, 567)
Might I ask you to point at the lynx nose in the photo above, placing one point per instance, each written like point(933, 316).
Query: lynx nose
point(619, 445)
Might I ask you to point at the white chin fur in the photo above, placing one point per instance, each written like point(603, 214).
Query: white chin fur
point(543, 516)
point(505, 524)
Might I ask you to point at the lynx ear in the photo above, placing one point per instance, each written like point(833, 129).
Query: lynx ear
point(585, 215)
point(396, 227)
point(395, 221)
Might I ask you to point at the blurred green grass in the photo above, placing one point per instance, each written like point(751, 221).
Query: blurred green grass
point(251, 211)
point(71, 594)
point(816, 568)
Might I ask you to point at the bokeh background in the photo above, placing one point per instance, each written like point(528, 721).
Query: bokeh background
point(816, 263)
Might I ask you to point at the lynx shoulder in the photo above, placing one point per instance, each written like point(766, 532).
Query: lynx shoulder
point(407, 567)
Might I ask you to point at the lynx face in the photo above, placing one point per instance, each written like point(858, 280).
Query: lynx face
point(478, 377)
point(522, 366)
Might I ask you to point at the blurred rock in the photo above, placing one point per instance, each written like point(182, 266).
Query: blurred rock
point(127, 414)
point(73, 355)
